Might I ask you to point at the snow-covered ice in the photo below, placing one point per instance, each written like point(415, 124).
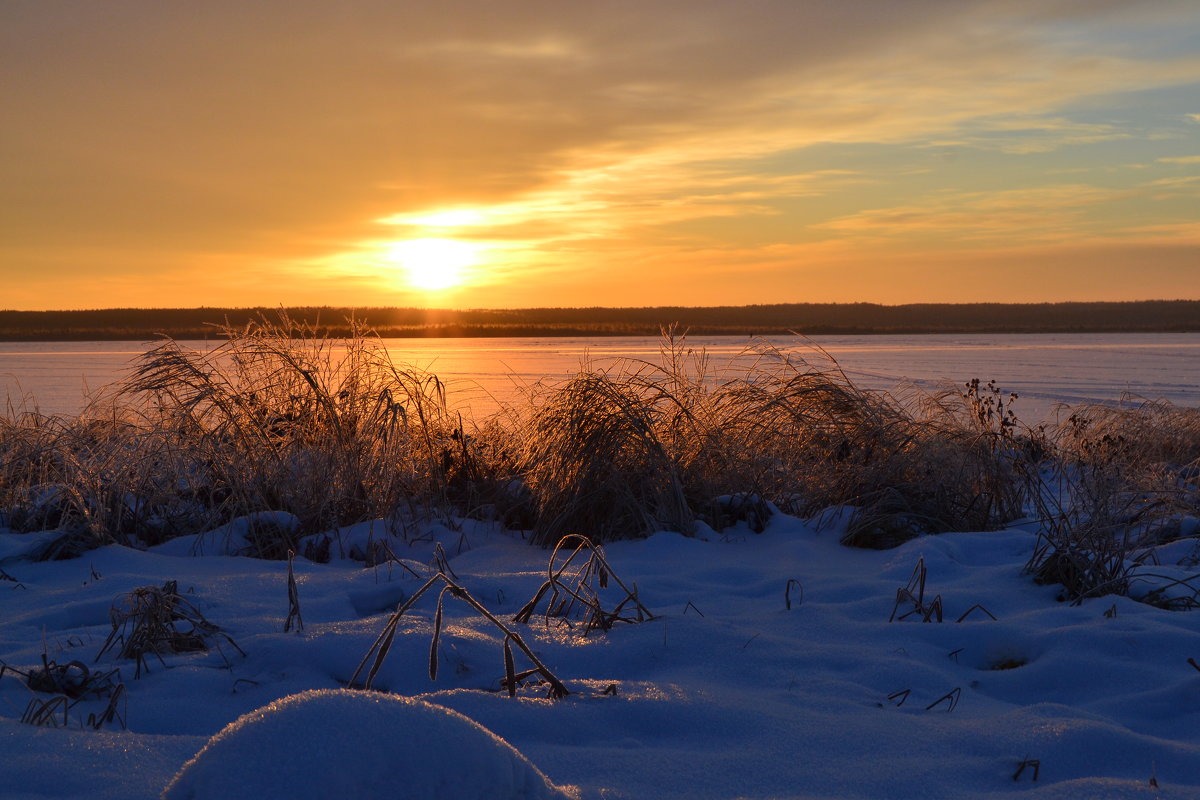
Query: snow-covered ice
point(1045, 369)
point(724, 694)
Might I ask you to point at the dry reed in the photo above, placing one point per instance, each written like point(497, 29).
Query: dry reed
point(279, 418)
point(155, 621)
point(378, 652)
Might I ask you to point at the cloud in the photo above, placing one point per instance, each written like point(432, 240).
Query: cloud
point(547, 48)
point(1175, 181)
point(1025, 135)
point(1180, 160)
point(976, 214)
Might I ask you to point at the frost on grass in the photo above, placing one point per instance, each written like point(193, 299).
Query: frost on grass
point(340, 743)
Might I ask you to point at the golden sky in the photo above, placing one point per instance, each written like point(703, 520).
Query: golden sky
point(508, 154)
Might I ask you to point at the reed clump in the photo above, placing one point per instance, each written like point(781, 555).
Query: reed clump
point(596, 464)
point(947, 461)
point(275, 417)
point(79, 476)
point(280, 418)
point(1126, 479)
point(643, 446)
point(154, 621)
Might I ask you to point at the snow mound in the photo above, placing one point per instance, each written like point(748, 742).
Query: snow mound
point(342, 743)
point(234, 538)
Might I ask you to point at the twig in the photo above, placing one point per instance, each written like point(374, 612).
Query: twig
point(952, 697)
point(787, 593)
point(1033, 763)
point(979, 607)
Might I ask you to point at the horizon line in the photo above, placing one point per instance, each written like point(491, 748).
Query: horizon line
point(262, 307)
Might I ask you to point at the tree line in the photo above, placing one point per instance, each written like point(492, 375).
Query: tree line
point(145, 324)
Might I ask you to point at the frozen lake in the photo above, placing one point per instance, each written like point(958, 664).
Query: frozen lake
point(1044, 369)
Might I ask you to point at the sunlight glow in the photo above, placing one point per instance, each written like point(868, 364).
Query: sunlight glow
point(432, 264)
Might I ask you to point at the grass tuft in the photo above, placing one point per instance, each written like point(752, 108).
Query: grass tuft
point(913, 593)
point(574, 583)
point(596, 464)
point(378, 652)
point(153, 620)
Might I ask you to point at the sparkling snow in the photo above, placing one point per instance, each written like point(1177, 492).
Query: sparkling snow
point(732, 696)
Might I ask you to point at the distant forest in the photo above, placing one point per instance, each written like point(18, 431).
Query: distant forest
point(806, 318)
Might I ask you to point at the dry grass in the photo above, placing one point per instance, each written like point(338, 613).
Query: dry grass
point(576, 574)
point(595, 464)
point(274, 418)
point(68, 475)
point(294, 617)
point(70, 684)
point(913, 593)
point(278, 418)
point(1126, 476)
point(154, 620)
point(373, 660)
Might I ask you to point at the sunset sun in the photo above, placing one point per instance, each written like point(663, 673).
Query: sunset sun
point(432, 264)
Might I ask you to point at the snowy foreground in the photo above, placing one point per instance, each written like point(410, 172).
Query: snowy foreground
point(724, 694)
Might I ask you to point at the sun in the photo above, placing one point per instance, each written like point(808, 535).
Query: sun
point(432, 264)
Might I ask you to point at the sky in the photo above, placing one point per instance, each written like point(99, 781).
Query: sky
point(517, 154)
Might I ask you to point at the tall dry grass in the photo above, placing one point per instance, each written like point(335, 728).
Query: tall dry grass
point(595, 464)
point(275, 417)
point(1127, 479)
point(280, 418)
point(641, 446)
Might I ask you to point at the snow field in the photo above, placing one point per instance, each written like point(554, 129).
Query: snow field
point(731, 697)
